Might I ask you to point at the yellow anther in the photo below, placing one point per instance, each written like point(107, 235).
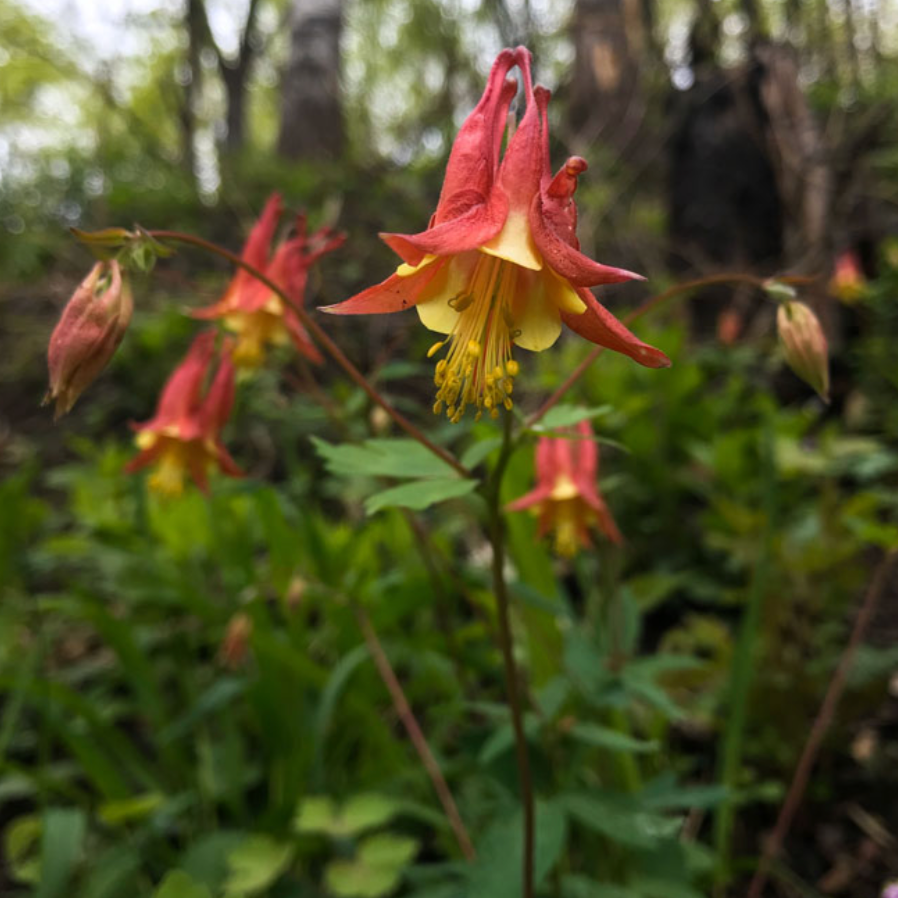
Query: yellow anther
point(513, 368)
point(438, 406)
point(508, 403)
point(494, 413)
point(436, 348)
point(474, 349)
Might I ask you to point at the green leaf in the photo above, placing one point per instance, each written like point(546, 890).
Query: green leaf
point(206, 858)
point(113, 873)
point(20, 848)
point(256, 864)
point(605, 737)
point(420, 495)
point(618, 818)
point(177, 884)
point(316, 814)
point(367, 811)
point(387, 850)
point(114, 813)
point(61, 843)
point(479, 451)
point(497, 871)
point(381, 458)
point(353, 879)
point(569, 415)
point(577, 886)
point(376, 870)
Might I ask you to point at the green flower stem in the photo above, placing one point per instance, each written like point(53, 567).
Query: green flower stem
point(332, 349)
point(497, 540)
point(730, 758)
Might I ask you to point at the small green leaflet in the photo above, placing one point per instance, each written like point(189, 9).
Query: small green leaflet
point(569, 415)
point(420, 494)
point(433, 480)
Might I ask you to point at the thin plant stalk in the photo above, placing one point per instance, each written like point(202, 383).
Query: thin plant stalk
point(730, 759)
point(822, 723)
point(328, 344)
point(415, 733)
point(649, 305)
point(512, 686)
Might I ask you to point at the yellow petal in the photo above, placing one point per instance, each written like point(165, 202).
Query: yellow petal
point(562, 294)
point(405, 270)
point(536, 317)
point(514, 243)
point(564, 488)
point(433, 307)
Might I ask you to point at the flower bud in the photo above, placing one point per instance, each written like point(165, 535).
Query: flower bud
point(805, 346)
point(88, 333)
point(235, 646)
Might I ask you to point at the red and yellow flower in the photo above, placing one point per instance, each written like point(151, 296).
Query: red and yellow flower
point(848, 282)
point(566, 497)
point(257, 315)
point(500, 264)
point(184, 436)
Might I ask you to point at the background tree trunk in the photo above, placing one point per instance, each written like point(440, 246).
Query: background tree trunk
point(311, 104)
point(606, 81)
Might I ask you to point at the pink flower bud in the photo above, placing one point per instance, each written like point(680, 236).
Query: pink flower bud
point(88, 333)
point(805, 346)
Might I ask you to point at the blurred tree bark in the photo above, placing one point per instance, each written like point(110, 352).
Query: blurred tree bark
point(311, 98)
point(234, 71)
point(606, 83)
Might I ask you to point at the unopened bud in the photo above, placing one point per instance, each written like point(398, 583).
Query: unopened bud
point(235, 645)
point(88, 333)
point(805, 346)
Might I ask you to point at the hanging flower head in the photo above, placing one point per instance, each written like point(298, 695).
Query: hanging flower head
point(184, 436)
point(848, 282)
point(258, 316)
point(566, 496)
point(500, 264)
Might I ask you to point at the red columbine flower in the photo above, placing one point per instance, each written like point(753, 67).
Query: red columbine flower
point(848, 280)
point(500, 265)
point(257, 315)
point(88, 333)
point(566, 497)
point(184, 436)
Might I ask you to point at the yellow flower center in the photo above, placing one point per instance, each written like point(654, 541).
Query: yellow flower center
point(255, 331)
point(566, 514)
point(478, 369)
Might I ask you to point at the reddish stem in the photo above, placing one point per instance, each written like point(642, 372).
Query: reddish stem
point(410, 722)
point(821, 724)
point(332, 349)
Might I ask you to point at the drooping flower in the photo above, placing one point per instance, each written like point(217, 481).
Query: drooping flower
point(92, 325)
point(257, 315)
point(184, 436)
point(804, 345)
point(566, 496)
point(848, 282)
point(500, 264)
